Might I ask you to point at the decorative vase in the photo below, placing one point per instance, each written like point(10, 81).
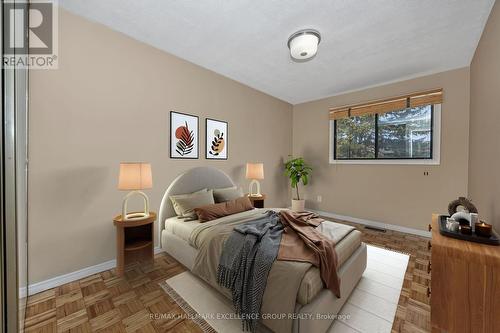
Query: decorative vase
point(462, 217)
point(298, 205)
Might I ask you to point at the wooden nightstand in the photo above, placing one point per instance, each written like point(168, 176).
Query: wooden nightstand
point(134, 240)
point(257, 202)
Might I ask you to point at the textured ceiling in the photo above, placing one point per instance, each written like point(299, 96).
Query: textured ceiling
point(364, 42)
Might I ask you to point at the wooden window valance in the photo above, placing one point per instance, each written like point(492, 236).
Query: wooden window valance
point(389, 104)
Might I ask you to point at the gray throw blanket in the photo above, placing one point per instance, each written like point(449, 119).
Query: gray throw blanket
point(245, 263)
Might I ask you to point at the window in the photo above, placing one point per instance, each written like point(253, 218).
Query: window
point(377, 131)
point(355, 137)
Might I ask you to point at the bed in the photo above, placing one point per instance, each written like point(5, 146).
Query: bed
point(178, 239)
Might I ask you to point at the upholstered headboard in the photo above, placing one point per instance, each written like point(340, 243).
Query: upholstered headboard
point(191, 181)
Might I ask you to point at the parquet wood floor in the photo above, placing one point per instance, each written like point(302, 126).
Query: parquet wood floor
point(107, 303)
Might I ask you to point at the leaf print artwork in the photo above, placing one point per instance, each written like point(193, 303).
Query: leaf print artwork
point(216, 139)
point(218, 143)
point(185, 136)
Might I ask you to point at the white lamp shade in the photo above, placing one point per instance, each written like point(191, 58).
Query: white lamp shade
point(135, 176)
point(255, 171)
point(304, 46)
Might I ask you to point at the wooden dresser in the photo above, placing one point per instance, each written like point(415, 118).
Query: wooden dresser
point(465, 285)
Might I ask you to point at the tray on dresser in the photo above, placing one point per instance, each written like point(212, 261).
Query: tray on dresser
point(493, 240)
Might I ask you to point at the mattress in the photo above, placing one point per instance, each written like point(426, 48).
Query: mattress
point(311, 284)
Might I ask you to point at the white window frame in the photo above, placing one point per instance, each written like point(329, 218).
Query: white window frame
point(436, 147)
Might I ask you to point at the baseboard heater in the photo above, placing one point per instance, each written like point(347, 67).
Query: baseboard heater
point(375, 228)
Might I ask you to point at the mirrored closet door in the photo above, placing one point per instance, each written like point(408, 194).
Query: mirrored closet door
point(13, 180)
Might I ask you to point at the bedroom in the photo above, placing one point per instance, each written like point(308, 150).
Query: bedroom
point(131, 77)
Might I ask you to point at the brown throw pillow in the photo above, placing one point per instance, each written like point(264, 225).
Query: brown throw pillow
point(215, 211)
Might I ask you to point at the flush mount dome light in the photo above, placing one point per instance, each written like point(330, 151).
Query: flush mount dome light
point(303, 44)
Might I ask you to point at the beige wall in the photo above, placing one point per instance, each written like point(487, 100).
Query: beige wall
point(109, 101)
point(484, 162)
point(394, 194)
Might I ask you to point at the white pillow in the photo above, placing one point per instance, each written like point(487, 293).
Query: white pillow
point(184, 204)
point(227, 194)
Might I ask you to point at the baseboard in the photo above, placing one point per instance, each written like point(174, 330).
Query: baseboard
point(376, 224)
point(56, 281)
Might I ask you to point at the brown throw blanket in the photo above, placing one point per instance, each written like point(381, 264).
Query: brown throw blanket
point(302, 242)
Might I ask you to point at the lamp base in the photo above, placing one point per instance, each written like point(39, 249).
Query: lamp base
point(138, 215)
point(251, 193)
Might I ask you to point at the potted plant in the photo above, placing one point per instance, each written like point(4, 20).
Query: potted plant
point(298, 171)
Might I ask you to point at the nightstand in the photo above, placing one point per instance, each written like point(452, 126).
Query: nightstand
point(257, 202)
point(134, 240)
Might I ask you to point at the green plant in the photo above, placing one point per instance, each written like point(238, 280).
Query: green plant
point(298, 171)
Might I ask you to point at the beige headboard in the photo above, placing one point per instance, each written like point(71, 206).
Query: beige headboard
point(192, 180)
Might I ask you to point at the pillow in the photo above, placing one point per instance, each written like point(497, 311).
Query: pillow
point(227, 193)
point(185, 203)
point(215, 211)
point(181, 196)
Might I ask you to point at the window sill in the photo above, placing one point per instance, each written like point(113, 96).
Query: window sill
point(387, 162)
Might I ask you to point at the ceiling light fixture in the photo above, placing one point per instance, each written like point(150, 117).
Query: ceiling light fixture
point(303, 44)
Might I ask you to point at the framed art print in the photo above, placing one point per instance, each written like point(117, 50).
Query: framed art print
point(216, 139)
point(183, 135)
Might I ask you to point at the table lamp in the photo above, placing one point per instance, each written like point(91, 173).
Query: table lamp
point(134, 177)
point(255, 171)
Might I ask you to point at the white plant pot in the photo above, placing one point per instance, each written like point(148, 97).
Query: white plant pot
point(298, 205)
